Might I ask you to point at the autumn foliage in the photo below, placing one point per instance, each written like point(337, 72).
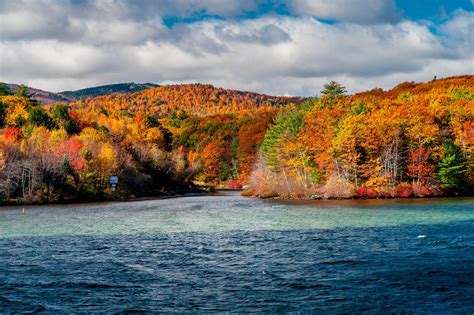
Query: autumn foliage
point(415, 140)
point(194, 99)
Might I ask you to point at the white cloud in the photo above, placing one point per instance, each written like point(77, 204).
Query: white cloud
point(272, 54)
point(359, 11)
point(459, 33)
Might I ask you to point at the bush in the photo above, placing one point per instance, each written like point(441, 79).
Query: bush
point(337, 187)
point(39, 117)
point(367, 192)
point(404, 190)
point(233, 184)
point(12, 134)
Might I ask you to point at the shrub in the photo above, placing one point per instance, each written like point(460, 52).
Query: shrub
point(12, 134)
point(404, 190)
point(367, 192)
point(337, 187)
point(234, 184)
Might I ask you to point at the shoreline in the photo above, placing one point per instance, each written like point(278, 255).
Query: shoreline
point(225, 192)
point(367, 201)
point(200, 193)
point(248, 193)
point(362, 198)
point(191, 193)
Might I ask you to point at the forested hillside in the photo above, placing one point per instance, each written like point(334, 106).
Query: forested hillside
point(415, 140)
point(46, 98)
point(67, 152)
point(43, 97)
point(194, 99)
point(107, 89)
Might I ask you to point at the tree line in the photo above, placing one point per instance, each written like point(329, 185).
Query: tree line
point(414, 140)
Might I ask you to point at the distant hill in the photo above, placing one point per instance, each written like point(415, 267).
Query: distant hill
point(196, 99)
point(46, 97)
point(108, 89)
point(41, 96)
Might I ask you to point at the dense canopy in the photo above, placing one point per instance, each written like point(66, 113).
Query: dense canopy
point(414, 140)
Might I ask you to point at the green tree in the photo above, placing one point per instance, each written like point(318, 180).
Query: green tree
point(4, 90)
point(333, 89)
point(3, 109)
point(452, 167)
point(286, 124)
point(183, 115)
point(152, 121)
point(66, 166)
point(60, 115)
point(23, 91)
point(360, 108)
point(60, 112)
point(38, 117)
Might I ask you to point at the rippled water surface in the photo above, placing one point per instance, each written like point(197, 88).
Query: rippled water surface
point(228, 253)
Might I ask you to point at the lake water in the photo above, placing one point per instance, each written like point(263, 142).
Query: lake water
point(229, 253)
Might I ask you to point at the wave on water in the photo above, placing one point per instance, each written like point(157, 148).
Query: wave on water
point(140, 268)
point(173, 258)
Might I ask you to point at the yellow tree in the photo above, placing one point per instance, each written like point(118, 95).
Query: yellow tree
point(106, 162)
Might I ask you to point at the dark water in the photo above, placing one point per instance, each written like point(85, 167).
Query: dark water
point(239, 255)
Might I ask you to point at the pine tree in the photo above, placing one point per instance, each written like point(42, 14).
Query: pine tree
point(286, 124)
point(452, 167)
point(3, 109)
point(333, 89)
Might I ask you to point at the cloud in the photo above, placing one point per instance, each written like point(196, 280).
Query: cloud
point(268, 34)
point(71, 45)
point(355, 11)
point(189, 8)
point(459, 33)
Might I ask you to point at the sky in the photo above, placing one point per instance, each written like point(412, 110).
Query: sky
point(281, 47)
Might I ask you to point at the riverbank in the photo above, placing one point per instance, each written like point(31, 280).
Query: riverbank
point(361, 198)
point(364, 195)
point(204, 191)
point(116, 197)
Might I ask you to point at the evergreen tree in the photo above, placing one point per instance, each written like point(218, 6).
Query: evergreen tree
point(38, 117)
point(4, 90)
point(61, 117)
point(22, 91)
point(183, 115)
point(452, 167)
point(152, 121)
point(3, 109)
point(66, 166)
point(333, 89)
point(287, 124)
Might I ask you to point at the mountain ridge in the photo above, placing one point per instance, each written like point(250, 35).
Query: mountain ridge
point(195, 99)
point(128, 87)
point(47, 97)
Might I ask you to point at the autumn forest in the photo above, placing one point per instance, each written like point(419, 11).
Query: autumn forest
point(414, 140)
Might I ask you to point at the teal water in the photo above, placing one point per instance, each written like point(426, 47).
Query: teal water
point(225, 213)
point(232, 254)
